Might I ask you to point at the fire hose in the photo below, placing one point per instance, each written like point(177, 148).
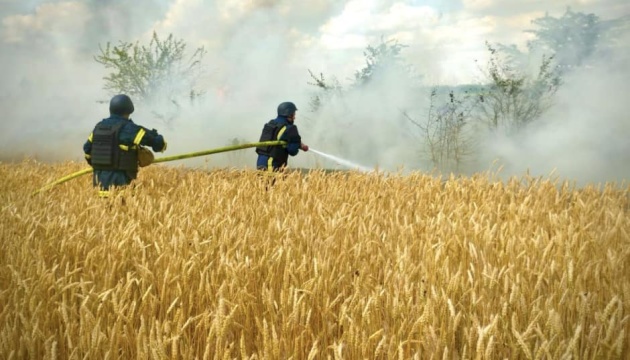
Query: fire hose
point(166, 159)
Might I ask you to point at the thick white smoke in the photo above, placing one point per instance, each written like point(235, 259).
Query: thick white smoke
point(582, 137)
point(259, 54)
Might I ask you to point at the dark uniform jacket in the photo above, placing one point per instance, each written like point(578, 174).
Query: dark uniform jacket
point(130, 136)
point(277, 156)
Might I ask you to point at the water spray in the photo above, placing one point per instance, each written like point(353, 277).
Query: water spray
point(341, 161)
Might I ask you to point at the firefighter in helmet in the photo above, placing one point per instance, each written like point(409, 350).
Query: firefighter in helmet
point(274, 158)
point(115, 148)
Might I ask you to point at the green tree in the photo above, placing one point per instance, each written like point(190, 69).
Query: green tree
point(157, 73)
point(513, 98)
point(574, 37)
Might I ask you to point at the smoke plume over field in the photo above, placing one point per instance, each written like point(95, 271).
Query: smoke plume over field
point(259, 54)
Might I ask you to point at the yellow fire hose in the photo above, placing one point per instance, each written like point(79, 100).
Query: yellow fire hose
point(168, 158)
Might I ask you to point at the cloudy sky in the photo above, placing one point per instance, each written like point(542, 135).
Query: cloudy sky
point(317, 33)
point(259, 51)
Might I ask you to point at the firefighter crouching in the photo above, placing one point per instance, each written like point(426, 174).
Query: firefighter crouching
point(115, 149)
point(275, 158)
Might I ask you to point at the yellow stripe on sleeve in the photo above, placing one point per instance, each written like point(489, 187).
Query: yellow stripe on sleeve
point(139, 136)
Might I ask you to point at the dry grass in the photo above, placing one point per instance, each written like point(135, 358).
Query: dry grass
point(211, 265)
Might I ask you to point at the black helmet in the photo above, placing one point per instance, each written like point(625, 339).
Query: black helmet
point(286, 109)
point(121, 105)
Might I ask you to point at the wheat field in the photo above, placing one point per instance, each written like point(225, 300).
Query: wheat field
point(193, 264)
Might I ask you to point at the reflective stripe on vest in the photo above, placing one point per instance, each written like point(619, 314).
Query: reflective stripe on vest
point(282, 130)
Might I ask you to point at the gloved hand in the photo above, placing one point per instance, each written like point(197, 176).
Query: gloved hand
point(303, 147)
point(159, 144)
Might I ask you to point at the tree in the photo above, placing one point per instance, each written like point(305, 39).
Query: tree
point(326, 88)
point(513, 98)
point(384, 58)
point(445, 134)
point(381, 59)
point(158, 73)
point(574, 37)
point(383, 75)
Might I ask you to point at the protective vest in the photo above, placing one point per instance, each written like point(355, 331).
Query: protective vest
point(269, 133)
point(279, 154)
point(108, 153)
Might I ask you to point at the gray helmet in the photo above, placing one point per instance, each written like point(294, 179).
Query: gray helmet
point(121, 105)
point(286, 109)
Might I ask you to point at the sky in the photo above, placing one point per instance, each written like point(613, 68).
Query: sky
point(259, 53)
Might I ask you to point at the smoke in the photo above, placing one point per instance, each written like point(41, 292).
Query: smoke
point(258, 55)
point(51, 85)
point(584, 135)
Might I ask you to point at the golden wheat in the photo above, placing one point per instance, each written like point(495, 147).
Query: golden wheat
point(217, 264)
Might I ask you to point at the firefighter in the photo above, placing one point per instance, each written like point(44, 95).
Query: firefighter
point(275, 158)
point(115, 148)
